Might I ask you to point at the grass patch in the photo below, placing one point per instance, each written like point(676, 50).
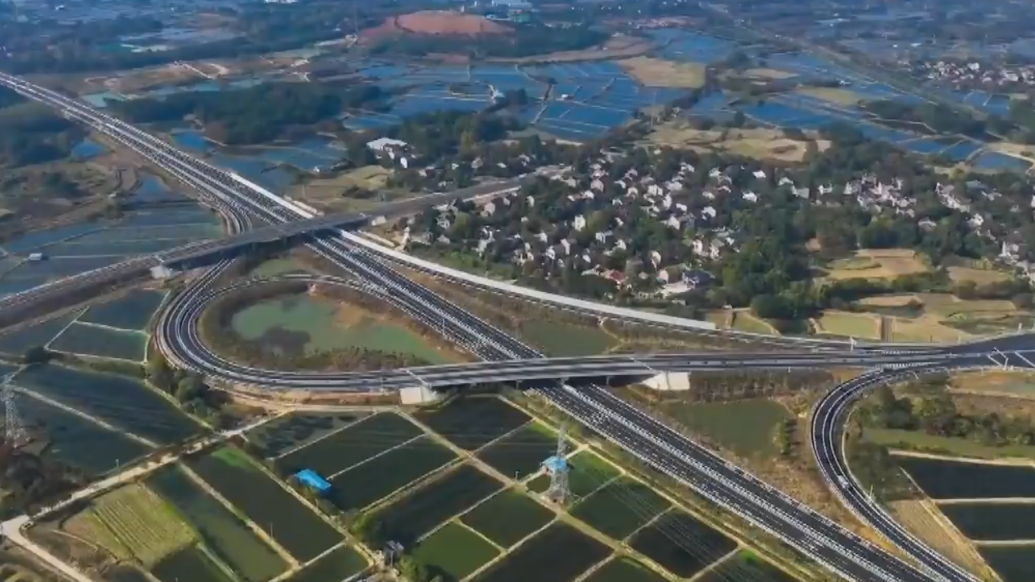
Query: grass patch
point(662, 73)
point(621, 508)
point(566, 339)
point(921, 441)
point(454, 552)
point(834, 95)
point(877, 264)
point(745, 566)
point(279, 266)
point(508, 518)
point(132, 522)
point(744, 427)
point(761, 144)
point(924, 329)
point(744, 321)
point(920, 517)
point(843, 323)
point(979, 276)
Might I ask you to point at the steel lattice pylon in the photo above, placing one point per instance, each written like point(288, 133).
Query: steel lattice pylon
point(557, 467)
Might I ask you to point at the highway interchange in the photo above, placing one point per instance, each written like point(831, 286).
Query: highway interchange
point(598, 408)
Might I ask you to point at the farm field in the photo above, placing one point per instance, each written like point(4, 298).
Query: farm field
point(624, 570)
point(79, 442)
point(35, 334)
point(877, 264)
point(620, 508)
point(521, 453)
point(103, 342)
point(296, 430)
point(293, 525)
point(454, 552)
point(743, 320)
point(587, 472)
point(560, 339)
point(1012, 563)
point(745, 566)
point(507, 518)
point(654, 542)
point(190, 563)
point(132, 523)
point(118, 400)
point(559, 553)
point(911, 439)
point(471, 423)
point(379, 477)
point(762, 144)
point(745, 427)
point(992, 521)
point(663, 73)
point(833, 95)
point(355, 444)
point(855, 325)
point(339, 564)
point(408, 519)
point(223, 532)
point(980, 276)
point(960, 480)
point(133, 311)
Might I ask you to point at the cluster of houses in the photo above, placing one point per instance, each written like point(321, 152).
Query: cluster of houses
point(974, 73)
point(597, 212)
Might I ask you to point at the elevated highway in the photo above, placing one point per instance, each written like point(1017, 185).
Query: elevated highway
point(643, 436)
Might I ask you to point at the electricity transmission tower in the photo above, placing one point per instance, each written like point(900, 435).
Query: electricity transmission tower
point(14, 430)
point(557, 468)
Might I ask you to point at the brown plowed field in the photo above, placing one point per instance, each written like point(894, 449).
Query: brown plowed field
point(438, 22)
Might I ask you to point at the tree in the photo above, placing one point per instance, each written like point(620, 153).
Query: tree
point(159, 372)
point(190, 388)
point(36, 355)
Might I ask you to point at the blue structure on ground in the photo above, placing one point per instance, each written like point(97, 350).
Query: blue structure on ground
point(556, 464)
point(309, 478)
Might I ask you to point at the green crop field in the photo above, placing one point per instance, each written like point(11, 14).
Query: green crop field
point(340, 564)
point(297, 429)
point(132, 522)
point(118, 400)
point(132, 311)
point(656, 542)
point(470, 423)
point(352, 445)
point(745, 566)
point(77, 441)
point(625, 570)
point(293, 525)
point(522, 452)
point(561, 339)
point(380, 477)
point(587, 472)
point(190, 563)
point(409, 518)
point(745, 427)
point(559, 553)
point(224, 533)
point(454, 552)
point(102, 342)
point(620, 508)
point(508, 518)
